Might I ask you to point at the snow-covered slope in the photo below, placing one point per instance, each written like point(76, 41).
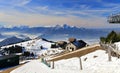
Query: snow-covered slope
point(33, 45)
point(96, 62)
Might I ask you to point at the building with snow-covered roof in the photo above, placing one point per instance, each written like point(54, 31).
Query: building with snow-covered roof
point(75, 44)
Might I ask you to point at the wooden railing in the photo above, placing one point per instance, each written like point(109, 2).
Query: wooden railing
point(77, 53)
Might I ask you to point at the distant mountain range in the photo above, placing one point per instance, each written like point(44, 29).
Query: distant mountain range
point(56, 29)
point(56, 32)
point(2, 36)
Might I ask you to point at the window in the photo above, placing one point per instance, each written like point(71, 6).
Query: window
point(67, 48)
point(72, 49)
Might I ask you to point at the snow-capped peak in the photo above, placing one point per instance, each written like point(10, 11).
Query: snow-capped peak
point(58, 26)
point(65, 26)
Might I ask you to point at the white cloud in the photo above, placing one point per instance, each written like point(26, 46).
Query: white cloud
point(41, 7)
point(84, 6)
point(20, 2)
point(15, 2)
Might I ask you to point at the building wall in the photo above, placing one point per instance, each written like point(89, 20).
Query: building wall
point(10, 61)
point(71, 47)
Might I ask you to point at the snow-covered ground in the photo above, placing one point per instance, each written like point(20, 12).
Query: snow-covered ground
point(36, 66)
point(33, 45)
point(117, 45)
point(95, 62)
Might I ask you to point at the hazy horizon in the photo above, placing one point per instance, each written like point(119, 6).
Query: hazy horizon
point(26, 26)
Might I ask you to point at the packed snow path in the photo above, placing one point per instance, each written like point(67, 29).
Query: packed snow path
point(36, 66)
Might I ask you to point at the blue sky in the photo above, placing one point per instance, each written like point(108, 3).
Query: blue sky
point(81, 13)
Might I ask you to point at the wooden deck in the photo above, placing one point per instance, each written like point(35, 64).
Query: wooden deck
point(77, 53)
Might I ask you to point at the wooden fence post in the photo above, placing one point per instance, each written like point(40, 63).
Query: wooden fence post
point(80, 63)
point(109, 53)
point(53, 65)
